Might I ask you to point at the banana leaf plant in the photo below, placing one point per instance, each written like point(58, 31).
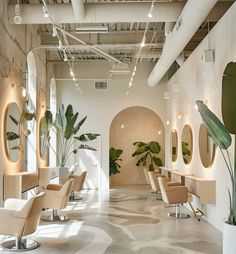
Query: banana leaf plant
point(22, 130)
point(114, 157)
point(147, 153)
point(66, 127)
point(185, 152)
point(221, 138)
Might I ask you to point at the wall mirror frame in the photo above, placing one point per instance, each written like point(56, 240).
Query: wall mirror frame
point(206, 147)
point(174, 145)
point(187, 143)
point(12, 132)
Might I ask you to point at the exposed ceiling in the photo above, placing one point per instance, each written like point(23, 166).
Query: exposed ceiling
point(122, 39)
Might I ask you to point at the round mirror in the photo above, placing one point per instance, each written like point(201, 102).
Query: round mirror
point(43, 147)
point(174, 145)
point(206, 147)
point(187, 144)
point(13, 141)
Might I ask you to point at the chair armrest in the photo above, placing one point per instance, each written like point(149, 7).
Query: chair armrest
point(55, 187)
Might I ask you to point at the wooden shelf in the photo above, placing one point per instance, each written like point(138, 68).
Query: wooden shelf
point(203, 188)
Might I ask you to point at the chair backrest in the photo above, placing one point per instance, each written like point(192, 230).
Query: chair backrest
point(78, 181)
point(33, 217)
point(164, 188)
point(65, 192)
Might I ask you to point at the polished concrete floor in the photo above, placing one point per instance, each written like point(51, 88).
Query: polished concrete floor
point(126, 220)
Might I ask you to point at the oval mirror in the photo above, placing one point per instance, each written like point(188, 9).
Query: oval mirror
point(13, 141)
point(43, 147)
point(187, 144)
point(174, 145)
point(206, 147)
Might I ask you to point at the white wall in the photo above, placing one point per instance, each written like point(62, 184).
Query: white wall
point(197, 80)
point(102, 106)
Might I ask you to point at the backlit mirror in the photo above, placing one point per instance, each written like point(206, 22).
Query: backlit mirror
point(174, 145)
point(206, 147)
point(13, 141)
point(187, 144)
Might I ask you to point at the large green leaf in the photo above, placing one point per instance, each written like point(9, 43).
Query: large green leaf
point(46, 123)
point(77, 127)
point(69, 113)
point(14, 120)
point(10, 135)
point(229, 97)
point(141, 149)
point(87, 147)
point(87, 137)
point(17, 147)
point(157, 161)
point(155, 147)
point(70, 127)
point(217, 131)
point(61, 119)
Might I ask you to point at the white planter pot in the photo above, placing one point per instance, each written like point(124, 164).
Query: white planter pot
point(229, 240)
point(63, 173)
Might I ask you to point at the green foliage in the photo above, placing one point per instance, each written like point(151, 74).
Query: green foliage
point(147, 154)
point(221, 137)
point(66, 127)
point(185, 151)
point(114, 157)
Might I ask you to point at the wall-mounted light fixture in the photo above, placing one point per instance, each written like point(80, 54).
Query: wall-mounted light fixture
point(18, 18)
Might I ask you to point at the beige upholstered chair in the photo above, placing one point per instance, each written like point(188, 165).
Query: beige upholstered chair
point(78, 184)
point(56, 198)
point(153, 178)
point(174, 194)
point(20, 218)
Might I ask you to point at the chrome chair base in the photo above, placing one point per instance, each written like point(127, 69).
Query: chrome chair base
point(20, 245)
point(178, 215)
point(55, 217)
point(74, 198)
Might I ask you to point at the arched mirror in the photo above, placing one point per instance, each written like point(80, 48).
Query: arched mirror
point(206, 147)
point(12, 129)
point(43, 147)
point(174, 145)
point(187, 144)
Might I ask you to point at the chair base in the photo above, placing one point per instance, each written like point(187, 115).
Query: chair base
point(178, 215)
point(73, 197)
point(20, 245)
point(55, 218)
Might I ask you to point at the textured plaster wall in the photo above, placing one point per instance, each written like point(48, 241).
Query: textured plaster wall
point(198, 80)
point(15, 43)
point(129, 126)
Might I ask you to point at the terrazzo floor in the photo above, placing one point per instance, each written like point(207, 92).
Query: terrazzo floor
point(124, 221)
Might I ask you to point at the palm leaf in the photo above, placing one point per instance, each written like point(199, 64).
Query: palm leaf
point(10, 135)
point(219, 134)
point(14, 120)
point(70, 127)
point(69, 113)
point(77, 127)
point(87, 137)
point(87, 147)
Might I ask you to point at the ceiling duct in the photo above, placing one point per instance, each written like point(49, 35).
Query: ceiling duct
point(91, 29)
point(193, 15)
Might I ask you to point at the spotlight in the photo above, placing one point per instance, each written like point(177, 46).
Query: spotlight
point(143, 42)
point(179, 116)
point(60, 46)
point(130, 84)
point(127, 93)
point(54, 31)
point(23, 92)
point(167, 122)
point(150, 11)
point(65, 57)
point(74, 79)
point(17, 18)
point(159, 132)
point(71, 72)
point(45, 12)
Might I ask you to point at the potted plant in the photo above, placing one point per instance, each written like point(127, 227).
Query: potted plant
point(147, 156)
point(114, 157)
point(66, 127)
point(222, 138)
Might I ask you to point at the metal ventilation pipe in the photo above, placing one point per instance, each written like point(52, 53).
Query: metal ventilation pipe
point(192, 16)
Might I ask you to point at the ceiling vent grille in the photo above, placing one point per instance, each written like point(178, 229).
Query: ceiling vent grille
point(100, 85)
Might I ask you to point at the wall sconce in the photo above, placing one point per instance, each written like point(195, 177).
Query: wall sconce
point(167, 122)
point(179, 116)
point(18, 18)
point(23, 92)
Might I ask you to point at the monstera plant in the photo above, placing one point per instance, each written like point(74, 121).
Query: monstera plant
point(66, 126)
point(114, 157)
point(147, 153)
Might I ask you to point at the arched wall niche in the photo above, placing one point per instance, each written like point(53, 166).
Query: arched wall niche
point(11, 92)
point(133, 124)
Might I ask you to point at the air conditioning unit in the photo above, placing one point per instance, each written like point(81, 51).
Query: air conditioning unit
point(100, 85)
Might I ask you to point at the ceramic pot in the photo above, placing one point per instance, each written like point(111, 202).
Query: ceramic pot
point(63, 173)
point(229, 243)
